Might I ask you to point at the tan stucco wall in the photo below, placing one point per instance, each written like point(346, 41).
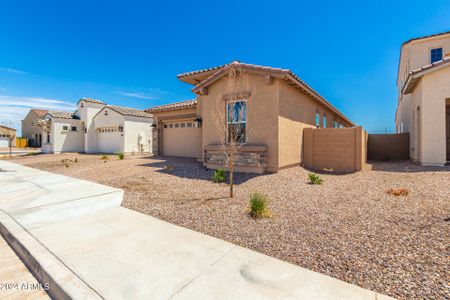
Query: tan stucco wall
point(436, 89)
point(297, 111)
point(262, 114)
point(426, 125)
point(28, 130)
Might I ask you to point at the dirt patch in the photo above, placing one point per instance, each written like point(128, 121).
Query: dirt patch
point(348, 227)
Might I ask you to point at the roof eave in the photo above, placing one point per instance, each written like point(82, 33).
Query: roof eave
point(281, 73)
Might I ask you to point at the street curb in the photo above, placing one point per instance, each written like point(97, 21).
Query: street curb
point(49, 271)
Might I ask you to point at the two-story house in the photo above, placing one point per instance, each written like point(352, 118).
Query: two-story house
point(423, 84)
point(96, 127)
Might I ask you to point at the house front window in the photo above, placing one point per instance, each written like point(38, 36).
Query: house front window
point(317, 119)
point(436, 54)
point(237, 121)
point(324, 121)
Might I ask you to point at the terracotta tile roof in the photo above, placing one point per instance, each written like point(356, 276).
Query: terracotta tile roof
point(285, 74)
point(173, 106)
point(91, 100)
point(202, 71)
point(415, 75)
point(40, 112)
point(132, 112)
point(426, 37)
point(7, 128)
point(62, 114)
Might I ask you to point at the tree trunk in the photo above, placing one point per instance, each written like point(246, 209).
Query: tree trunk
point(231, 177)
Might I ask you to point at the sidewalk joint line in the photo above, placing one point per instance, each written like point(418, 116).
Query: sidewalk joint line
point(203, 272)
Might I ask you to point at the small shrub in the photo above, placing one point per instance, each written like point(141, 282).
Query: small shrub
point(219, 176)
point(76, 159)
point(170, 168)
point(314, 178)
point(398, 192)
point(104, 157)
point(121, 156)
point(67, 165)
point(259, 205)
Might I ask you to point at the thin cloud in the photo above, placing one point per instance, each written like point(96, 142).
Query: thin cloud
point(11, 70)
point(16, 108)
point(139, 95)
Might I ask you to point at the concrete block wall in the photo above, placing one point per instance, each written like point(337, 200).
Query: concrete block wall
point(388, 146)
point(339, 149)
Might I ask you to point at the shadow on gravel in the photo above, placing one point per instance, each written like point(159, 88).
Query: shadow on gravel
point(189, 168)
point(404, 166)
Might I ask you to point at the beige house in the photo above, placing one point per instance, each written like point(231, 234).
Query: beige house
point(423, 107)
point(33, 133)
point(276, 106)
point(7, 135)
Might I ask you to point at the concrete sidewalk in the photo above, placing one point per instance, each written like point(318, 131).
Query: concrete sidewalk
point(17, 282)
point(75, 235)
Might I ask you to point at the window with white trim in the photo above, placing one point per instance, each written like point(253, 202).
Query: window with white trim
point(65, 127)
point(237, 121)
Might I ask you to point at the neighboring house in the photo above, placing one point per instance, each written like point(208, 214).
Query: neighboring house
point(33, 133)
point(423, 107)
point(277, 106)
point(7, 134)
point(96, 127)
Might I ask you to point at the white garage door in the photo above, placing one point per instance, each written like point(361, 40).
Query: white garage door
point(109, 141)
point(4, 142)
point(181, 139)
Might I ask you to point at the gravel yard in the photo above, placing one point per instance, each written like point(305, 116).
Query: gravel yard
point(349, 227)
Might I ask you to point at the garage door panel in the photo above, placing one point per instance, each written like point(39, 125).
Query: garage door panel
point(4, 142)
point(109, 142)
point(181, 139)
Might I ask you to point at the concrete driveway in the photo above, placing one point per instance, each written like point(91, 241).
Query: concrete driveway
point(74, 235)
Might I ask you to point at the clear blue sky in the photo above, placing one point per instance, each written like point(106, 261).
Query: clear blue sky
point(129, 52)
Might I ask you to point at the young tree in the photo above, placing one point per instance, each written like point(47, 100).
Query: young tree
point(231, 118)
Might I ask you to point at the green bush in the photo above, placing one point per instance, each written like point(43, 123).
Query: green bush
point(104, 157)
point(121, 156)
point(259, 205)
point(219, 176)
point(314, 178)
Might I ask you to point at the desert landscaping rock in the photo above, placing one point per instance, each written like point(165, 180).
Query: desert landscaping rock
point(349, 227)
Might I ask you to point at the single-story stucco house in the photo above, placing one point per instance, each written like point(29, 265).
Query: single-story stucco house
point(7, 136)
point(423, 105)
point(274, 107)
point(96, 127)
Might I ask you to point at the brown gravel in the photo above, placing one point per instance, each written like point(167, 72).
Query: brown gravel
point(349, 227)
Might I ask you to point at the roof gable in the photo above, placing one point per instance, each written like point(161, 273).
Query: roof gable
point(126, 111)
point(284, 74)
point(61, 114)
point(91, 100)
